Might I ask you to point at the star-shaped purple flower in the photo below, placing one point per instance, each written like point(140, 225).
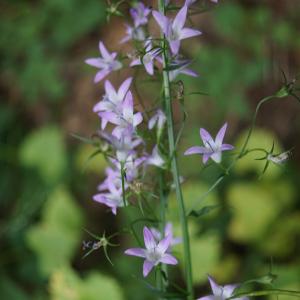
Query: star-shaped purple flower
point(212, 148)
point(174, 30)
point(154, 253)
point(221, 292)
point(139, 14)
point(107, 63)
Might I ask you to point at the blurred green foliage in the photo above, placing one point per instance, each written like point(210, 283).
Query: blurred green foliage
point(46, 182)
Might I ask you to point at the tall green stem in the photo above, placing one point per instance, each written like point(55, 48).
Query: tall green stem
point(172, 149)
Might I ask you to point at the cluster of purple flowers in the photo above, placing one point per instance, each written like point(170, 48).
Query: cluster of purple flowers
point(129, 158)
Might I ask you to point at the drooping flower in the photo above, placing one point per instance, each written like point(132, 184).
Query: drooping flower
point(168, 231)
point(174, 30)
point(212, 148)
point(147, 59)
point(155, 158)
point(113, 198)
point(221, 292)
point(139, 14)
point(125, 118)
point(107, 63)
point(159, 119)
point(133, 33)
point(154, 253)
point(112, 100)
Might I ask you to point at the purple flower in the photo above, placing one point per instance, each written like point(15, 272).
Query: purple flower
point(158, 118)
point(155, 158)
point(133, 33)
point(212, 148)
point(125, 119)
point(154, 253)
point(167, 232)
point(106, 63)
point(221, 292)
point(112, 100)
point(173, 29)
point(124, 146)
point(112, 177)
point(147, 59)
point(113, 198)
point(139, 14)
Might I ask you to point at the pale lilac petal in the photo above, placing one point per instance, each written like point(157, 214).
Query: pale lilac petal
point(225, 147)
point(149, 68)
point(206, 137)
point(128, 106)
point(124, 87)
point(161, 20)
point(152, 121)
point(220, 135)
point(205, 158)
point(169, 259)
point(110, 117)
point(164, 244)
point(110, 90)
point(180, 19)
point(114, 210)
point(175, 45)
point(210, 297)
point(100, 75)
point(135, 62)
point(216, 156)
point(228, 290)
point(125, 39)
point(139, 252)
point(216, 289)
point(137, 119)
point(196, 150)
point(105, 54)
point(149, 238)
point(147, 267)
point(95, 62)
point(188, 33)
point(189, 72)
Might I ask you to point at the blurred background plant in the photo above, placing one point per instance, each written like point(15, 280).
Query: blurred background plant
point(46, 182)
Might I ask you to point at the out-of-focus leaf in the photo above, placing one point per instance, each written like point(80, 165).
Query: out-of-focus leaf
point(9, 290)
point(259, 139)
point(57, 236)
point(254, 210)
point(44, 150)
point(66, 285)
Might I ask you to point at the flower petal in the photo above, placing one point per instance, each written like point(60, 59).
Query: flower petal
point(175, 45)
point(105, 54)
point(139, 252)
point(225, 147)
point(216, 289)
point(164, 244)
point(124, 88)
point(188, 33)
point(180, 19)
point(149, 239)
point(220, 135)
point(147, 267)
point(216, 156)
point(100, 75)
point(206, 137)
point(210, 297)
point(161, 20)
point(196, 150)
point(169, 259)
point(228, 290)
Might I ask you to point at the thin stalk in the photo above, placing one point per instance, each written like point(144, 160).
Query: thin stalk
point(174, 167)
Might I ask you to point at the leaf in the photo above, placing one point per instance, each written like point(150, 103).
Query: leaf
point(44, 150)
point(55, 239)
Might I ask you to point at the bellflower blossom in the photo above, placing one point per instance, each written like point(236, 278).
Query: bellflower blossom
point(154, 253)
point(139, 14)
point(125, 119)
point(112, 99)
point(174, 30)
point(168, 231)
point(124, 146)
point(221, 292)
point(212, 148)
point(155, 158)
point(147, 59)
point(113, 198)
point(112, 176)
point(107, 63)
point(159, 119)
point(133, 33)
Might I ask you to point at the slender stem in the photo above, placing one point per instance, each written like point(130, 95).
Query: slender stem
point(171, 138)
